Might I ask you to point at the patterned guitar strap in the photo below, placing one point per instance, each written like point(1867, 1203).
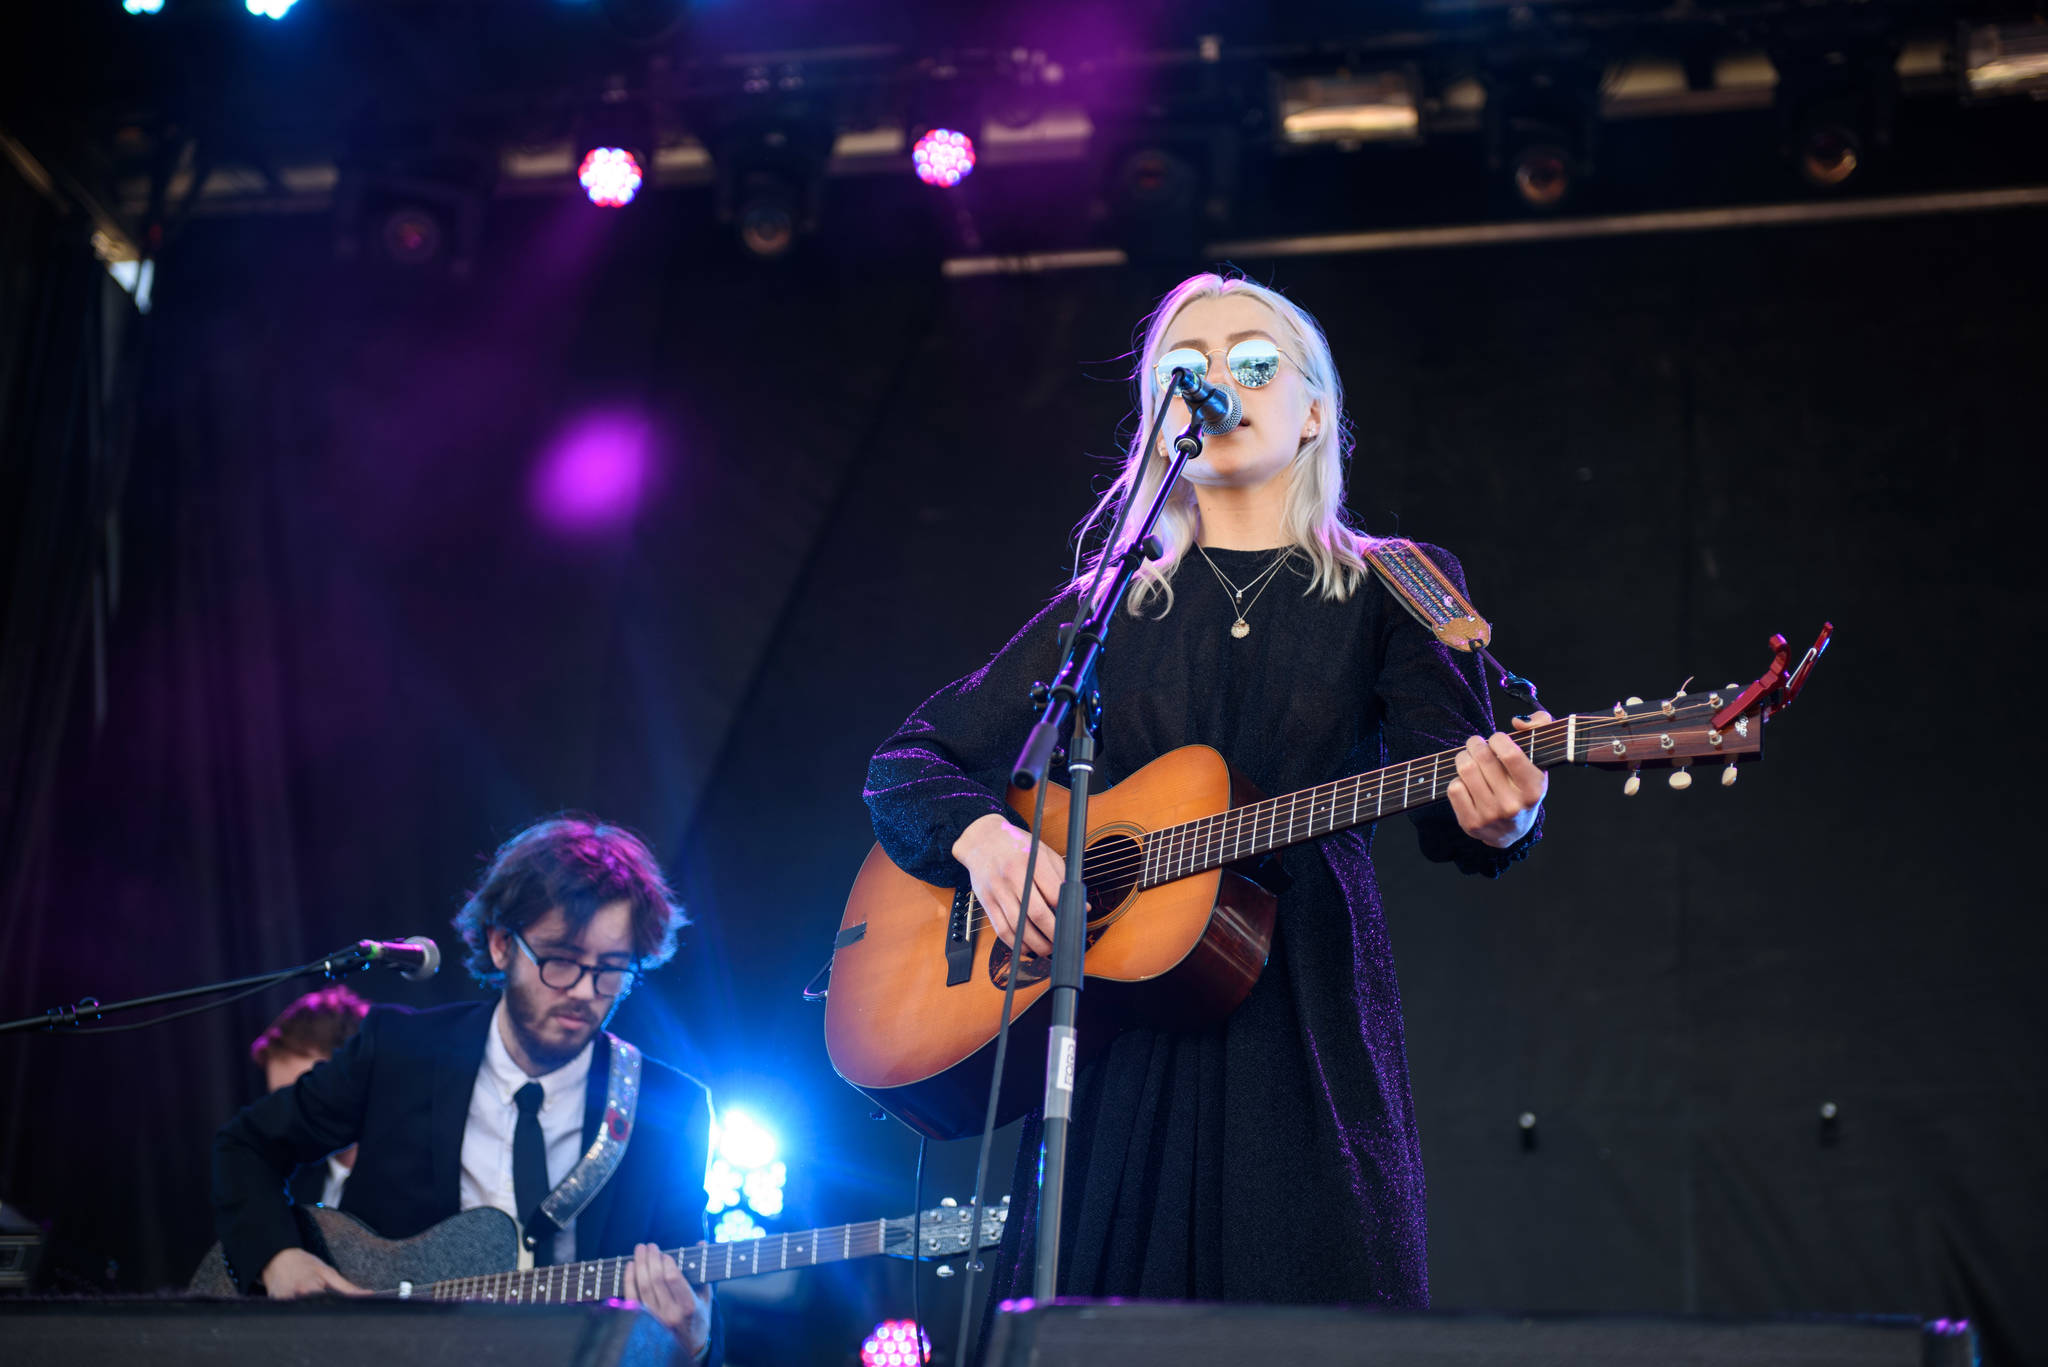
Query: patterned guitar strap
point(1433, 600)
point(601, 1160)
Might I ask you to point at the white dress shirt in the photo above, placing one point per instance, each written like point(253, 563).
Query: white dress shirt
point(337, 1174)
point(487, 1138)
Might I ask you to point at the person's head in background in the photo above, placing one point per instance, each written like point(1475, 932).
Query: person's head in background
point(305, 1033)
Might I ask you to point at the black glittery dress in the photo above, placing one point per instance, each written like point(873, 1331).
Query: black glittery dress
point(1199, 1161)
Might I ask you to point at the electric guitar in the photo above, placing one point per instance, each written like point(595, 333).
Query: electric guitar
point(1179, 926)
point(474, 1256)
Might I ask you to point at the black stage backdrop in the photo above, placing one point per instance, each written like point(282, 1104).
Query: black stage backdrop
point(357, 650)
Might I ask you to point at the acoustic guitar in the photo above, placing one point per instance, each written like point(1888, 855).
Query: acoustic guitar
point(1179, 919)
point(474, 1256)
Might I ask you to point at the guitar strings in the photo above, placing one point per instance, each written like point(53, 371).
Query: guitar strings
point(554, 1285)
point(1549, 744)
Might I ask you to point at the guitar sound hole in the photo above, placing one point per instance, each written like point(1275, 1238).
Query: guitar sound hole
point(1111, 875)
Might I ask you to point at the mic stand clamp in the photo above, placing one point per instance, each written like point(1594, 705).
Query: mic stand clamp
point(1075, 683)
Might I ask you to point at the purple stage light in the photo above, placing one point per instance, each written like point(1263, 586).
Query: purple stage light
point(595, 475)
point(943, 157)
point(610, 176)
point(896, 1343)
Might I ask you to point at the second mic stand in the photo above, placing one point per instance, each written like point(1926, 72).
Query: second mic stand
point(356, 957)
point(1076, 684)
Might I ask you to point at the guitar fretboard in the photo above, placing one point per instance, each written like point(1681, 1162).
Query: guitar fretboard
point(1259, 828)
point(605, 1278)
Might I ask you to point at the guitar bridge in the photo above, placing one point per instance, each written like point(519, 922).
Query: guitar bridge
point(960, 939)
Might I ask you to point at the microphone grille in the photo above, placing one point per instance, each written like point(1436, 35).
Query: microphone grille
point(433, 960)
point(1230, 417)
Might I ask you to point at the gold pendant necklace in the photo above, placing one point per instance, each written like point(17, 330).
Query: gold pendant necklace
point(1241, 628)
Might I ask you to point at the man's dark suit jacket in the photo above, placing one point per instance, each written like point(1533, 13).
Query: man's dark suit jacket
point(400, 1089)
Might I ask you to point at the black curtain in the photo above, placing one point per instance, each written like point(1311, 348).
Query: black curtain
point(350, 658)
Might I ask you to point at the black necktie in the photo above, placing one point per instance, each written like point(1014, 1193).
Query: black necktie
point(530, 1165)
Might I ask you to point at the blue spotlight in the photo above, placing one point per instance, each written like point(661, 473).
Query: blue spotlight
point(269, 9)
point(143, 6)
point(734, 1226)
point(745, 1179)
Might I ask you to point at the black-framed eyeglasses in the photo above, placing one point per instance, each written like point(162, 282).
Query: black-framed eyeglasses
point(563, 974)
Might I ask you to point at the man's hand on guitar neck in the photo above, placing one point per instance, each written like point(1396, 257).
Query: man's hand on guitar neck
point(654, 1280)
point(295, 1272)
point(1497, 790)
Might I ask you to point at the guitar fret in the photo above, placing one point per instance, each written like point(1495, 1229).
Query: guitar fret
point(1228, 837)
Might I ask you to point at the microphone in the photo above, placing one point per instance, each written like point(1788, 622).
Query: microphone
point(1215, 407)
point(416, 956)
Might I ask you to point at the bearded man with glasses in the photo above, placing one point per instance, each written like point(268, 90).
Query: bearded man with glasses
point(493, 1103)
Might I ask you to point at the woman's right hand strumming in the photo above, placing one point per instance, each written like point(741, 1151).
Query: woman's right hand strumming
point(993, 851)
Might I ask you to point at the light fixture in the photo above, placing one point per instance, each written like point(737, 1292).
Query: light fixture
point(1343, 108)
point(2005, 59)
point(943, 157)
point(1539, 131)
point(770, 173)
point(611, 176)
point(1835, 104)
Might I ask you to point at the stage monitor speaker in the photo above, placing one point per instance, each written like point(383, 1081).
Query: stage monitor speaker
point(1084, 1334)
point(326, 1333)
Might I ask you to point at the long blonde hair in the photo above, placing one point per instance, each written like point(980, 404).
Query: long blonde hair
point(1314, 519)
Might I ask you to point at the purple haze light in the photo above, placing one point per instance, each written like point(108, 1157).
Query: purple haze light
point(943, 157)
point(595, 475)
point(610, 176)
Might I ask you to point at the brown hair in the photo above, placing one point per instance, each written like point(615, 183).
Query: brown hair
point(315, 1025)
point(580, 865)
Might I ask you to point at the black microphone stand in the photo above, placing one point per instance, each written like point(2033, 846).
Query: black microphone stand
point(343, 961)
point(1073, 700)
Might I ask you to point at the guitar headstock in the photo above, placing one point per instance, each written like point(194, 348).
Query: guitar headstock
point(1670, 733)
point(1722, 726)
point(947, 1230)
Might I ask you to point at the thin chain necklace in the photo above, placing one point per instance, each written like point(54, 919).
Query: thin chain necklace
point(1241, 628)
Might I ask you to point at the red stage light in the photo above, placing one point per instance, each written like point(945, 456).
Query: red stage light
point(610, 176)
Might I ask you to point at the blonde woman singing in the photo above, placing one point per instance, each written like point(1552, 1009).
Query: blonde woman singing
point(1272, 1157)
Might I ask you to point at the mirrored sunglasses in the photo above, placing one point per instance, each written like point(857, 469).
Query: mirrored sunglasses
point(1252, 363)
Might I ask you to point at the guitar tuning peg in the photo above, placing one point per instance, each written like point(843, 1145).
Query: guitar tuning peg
point(1728, 775)
point(1620, 711)
point(944, 1270)
point(1635, 702)
point(948, 1202)
point(1681, 779)
point(1635, 782)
